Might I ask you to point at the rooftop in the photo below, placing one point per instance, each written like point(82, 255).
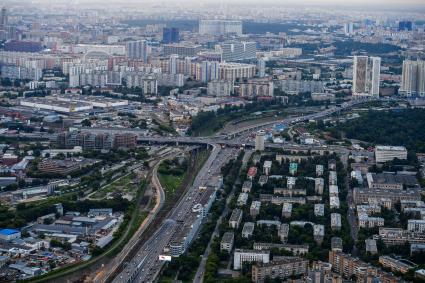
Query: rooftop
point(8, 231)
point(389, 147)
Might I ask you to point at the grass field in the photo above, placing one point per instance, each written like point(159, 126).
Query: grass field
point(171, 183)
point(124, 185)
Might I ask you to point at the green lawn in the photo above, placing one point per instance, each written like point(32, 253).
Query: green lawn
point(171, 183)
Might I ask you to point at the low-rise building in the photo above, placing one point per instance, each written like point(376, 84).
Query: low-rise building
point(335, 221)
point(290, 192)
point(390, 181)
point(283, 232)
point(57, 166)
point(398, 236)
point(389, 153)
point(370, 222)
point(263, 180)
point(235, 218)
point(242, 199)
point(319, 209)
point(287, 210)
point(334, 202)
point(267, 167)
point(290, 182)
point(269, 223)
point(240, 256)
point(348, 266)
point(416, 225)
point(318, 233)
point(396, 265)
point(319, 185)
point(333, 191)
point(336, 244)
point(281, 269)
point(363, 195)
point(246, 187)
point(227, 241)
point(254, 210)
point(295, 249)
point(333, 179)
point(319, 170)
point(371, 246)
point(248, 229)
point(9, 234)
point(368, 209)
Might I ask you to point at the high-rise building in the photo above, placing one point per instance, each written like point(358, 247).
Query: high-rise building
point(219, 88)
point(137, 50)
point(183, 50)
point(259, 140)
point(75, 71)
point(236, 51)
point(375, 76)
point(173, 63)
point(170, 35)
point(3, 17)
point(210, 71)
point(405, 26)
point(348, 29)
point(261, 66)
point(235, 71)
point(366, 75)
point(220, 27)
point(360, 74)
point(413, 78)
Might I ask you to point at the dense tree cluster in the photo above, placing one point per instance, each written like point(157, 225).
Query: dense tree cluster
point(397, 127)
point(214, 121)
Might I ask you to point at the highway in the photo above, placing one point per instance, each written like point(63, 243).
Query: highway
point(107, 271)
point(199, 276)
point(145, 266)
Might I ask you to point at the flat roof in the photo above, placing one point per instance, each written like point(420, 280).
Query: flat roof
point(390, 147)
point(8, 231)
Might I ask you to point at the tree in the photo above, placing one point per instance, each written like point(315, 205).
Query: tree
point(86, 123)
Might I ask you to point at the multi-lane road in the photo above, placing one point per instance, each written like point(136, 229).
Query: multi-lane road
point(145, 266)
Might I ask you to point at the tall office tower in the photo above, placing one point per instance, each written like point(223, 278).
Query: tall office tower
point(360, 74)
point(413, 78)
point(405, 26)
point(348, 29)
point(214, 70)
point(366, 75)
point(205, 71)
point(170, 35)
point(259, 140)
point(137, 50)
point(261, 66)
point(210, 71)
point(236, 51)
point(173, 63)
point(75, 71)
point(188, 66)
point(375, 76)
point(220, 27)
point(3, 17)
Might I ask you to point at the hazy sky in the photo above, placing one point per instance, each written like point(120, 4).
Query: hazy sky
point(326, 2)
